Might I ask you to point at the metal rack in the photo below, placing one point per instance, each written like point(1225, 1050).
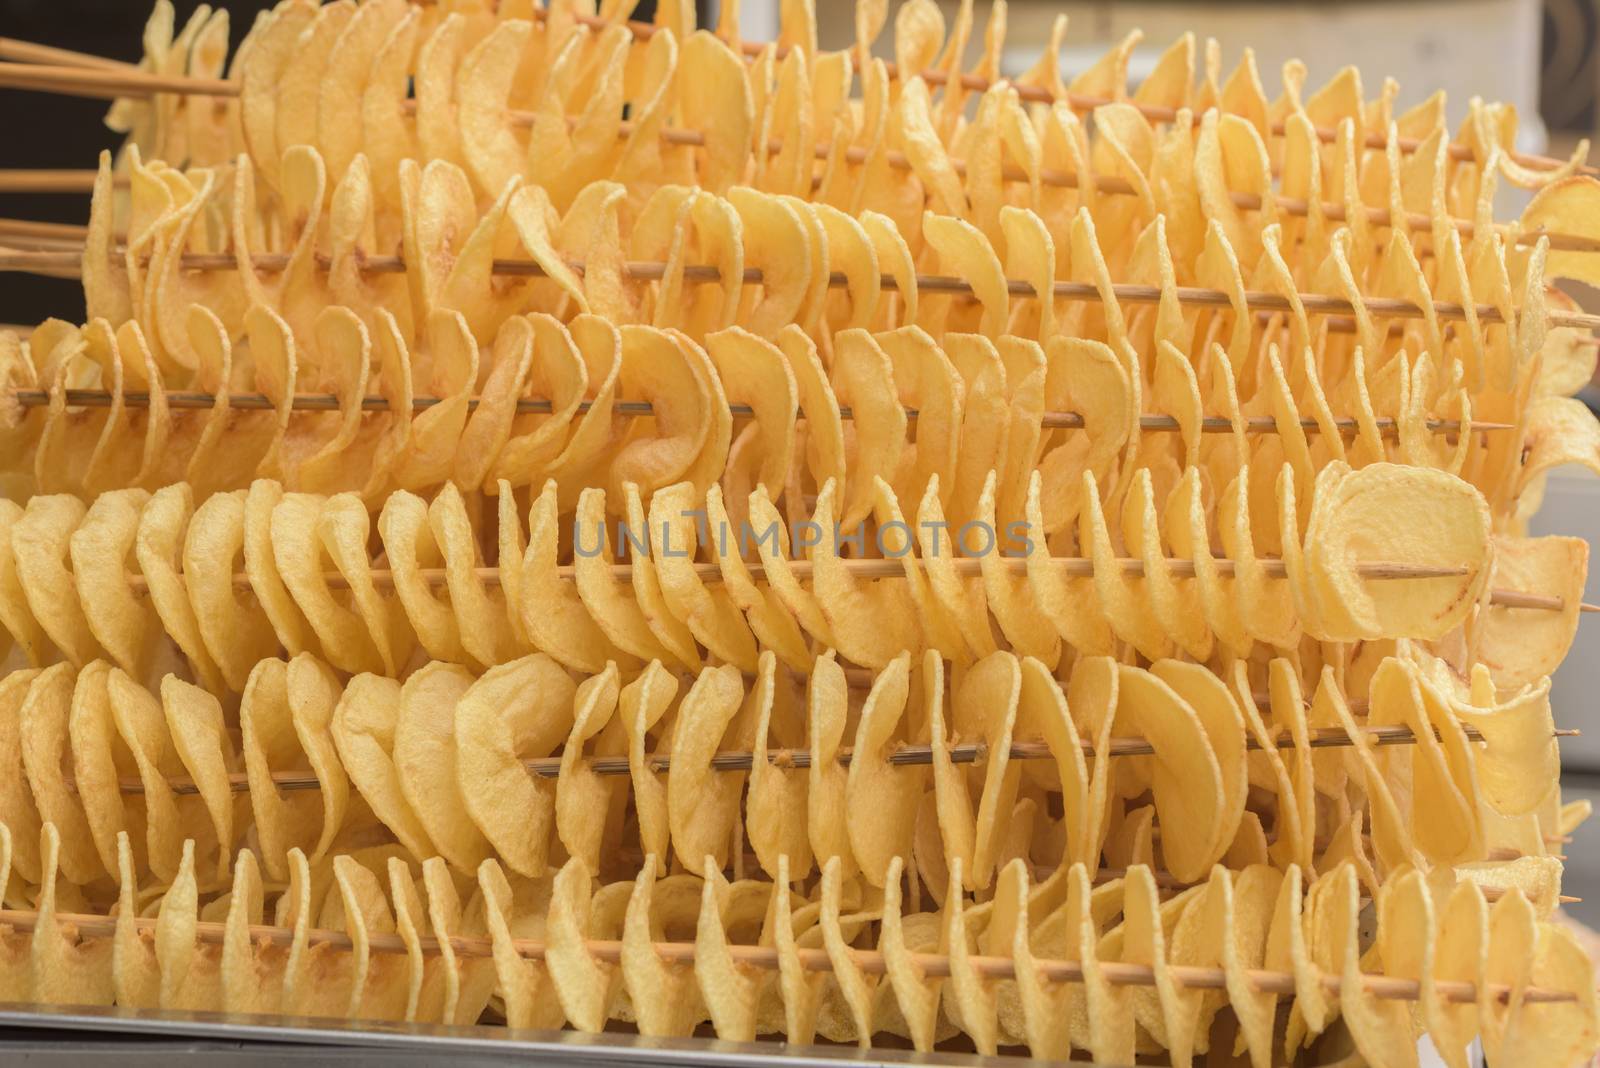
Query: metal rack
point(150, 1038)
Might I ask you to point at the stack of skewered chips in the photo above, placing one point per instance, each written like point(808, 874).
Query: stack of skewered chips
point(576, 521)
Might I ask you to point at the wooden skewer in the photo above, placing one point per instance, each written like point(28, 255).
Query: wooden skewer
point(711, 571)
point(80, 81)
point(328, 402)
point(13, 180)
point(51, 258)
point(933, 965)
point(748, 861)
point(648, 271)
point(109, 83)
point(123, 80)
point(903, 756)
point(10, 229)
point(1517, 599)
point(1076, 566)
point(20, 242)
point(17, 51)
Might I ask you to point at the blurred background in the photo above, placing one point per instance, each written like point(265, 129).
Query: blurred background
point(1540, 55)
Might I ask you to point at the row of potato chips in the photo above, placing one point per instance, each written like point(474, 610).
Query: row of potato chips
point(1522, 370)
point(562, 949)
point(1423, 179)
point(133, 267)
point(495, 89)
point(797, 245)
point(122, 576)
point(440, 763)
point(1192, 199)
point(894, 404)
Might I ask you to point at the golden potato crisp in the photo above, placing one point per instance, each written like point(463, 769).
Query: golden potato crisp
point(426, 760)
point(363, 729)
point(881, 799)
point(512, 713)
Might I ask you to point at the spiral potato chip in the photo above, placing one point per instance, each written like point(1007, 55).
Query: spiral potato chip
point(553, 615)
point(40, 548)
point(873, 785)
point(513, 712)
point(363, 728)
point(709, 612)
point(426, 753)
point(703, 807)
point(269, 740)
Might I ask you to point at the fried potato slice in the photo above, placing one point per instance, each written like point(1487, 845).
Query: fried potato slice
point(588, 812)
point(1007, 590)
point(512, 713)
point(870, 620)
point(754, 372)
point(427, 761)
point(41, 551)
point(200, 737)
point(553, 615)
point(490, 146)
point(102, 550)
point(1186, 778)
point(665, 996)
point(1068, 602)
point(363, 729)
point(676, 378)
point(703, 804)
point(668, 629)
point(863, 380)
point(773, 626)
point(708, 611)
point(235, 629)
point(286, 719)
point(1400, 515)
point(881, 799)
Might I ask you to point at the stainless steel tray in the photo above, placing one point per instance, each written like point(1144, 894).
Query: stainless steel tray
point(36, 1034)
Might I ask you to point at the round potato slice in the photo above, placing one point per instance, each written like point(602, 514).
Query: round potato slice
point(1389, 514)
